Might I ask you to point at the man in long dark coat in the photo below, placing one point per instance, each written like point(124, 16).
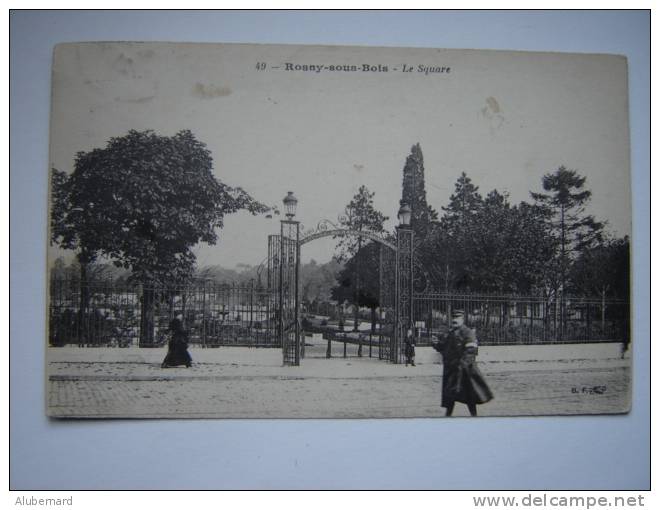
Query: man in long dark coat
point(461, 379)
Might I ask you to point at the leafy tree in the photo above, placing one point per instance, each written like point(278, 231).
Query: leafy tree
point(464, 205)
point(360, 215)
point(490, 263)
point(441, 266)
point(423, 219)
point(572, 229)
point(144, 201)
point(488, 244)
point(603, 270)
point(308, 273)
point(62, 271)
point(317, 280)
point(456, 235)
point(531, 248)
point(62, 232)
point(414, 193)
point(365, 265)
point(511, 246)
point(72, 229)
point(220, 274)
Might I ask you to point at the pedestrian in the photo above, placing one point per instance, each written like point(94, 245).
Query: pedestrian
point(410, 348)
point(177, 347)
point(625, 344)
point(461, 379)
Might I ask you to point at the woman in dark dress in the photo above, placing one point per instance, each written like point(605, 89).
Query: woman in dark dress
point(177, 347)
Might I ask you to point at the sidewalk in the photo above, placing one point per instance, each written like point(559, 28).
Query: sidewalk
point(239, 382)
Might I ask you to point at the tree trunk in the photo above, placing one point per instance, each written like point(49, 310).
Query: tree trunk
point(356, 294)
point(83, 308)
point(602, 314)
point(563, 267)
point(147, 316)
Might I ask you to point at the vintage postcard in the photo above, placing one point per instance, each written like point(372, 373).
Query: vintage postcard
point(263, 231)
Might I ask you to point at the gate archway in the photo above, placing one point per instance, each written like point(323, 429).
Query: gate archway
point(395, 284)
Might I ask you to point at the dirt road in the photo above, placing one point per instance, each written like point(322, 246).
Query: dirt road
point(251, 383)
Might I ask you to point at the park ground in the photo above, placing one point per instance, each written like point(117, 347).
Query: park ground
point(241, 382)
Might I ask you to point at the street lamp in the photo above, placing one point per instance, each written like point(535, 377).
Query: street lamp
point(289, 268)
point(290, 204)
point(404, 214)
point(404, 280)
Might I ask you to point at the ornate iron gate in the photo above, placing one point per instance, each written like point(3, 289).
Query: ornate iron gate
point(404, 290)
point(283, 271)
point(395, 292)
point(387, 302)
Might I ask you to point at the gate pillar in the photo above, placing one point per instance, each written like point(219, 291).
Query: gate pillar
point(403, 290)
point(387, 302)
point(289, 269)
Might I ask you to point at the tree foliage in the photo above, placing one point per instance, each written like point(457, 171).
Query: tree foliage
point(490, 254)
point(423, 219)
point(572, 230)
point(358, 282)
point(414, 193)
point(603, 270)
point(454, 239)
point(530, 249)
point(144, 201)
point(359, 215)
point(488, 244)
point(317, 280)
point(368, 260)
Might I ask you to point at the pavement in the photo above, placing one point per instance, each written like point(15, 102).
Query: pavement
point(240, 382)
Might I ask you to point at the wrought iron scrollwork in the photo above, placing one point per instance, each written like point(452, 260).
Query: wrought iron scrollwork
point(327, 228)
point(404, 289)
point(421, 277)
point(321, 226)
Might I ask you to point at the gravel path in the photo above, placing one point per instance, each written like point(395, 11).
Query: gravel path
point(251, 383)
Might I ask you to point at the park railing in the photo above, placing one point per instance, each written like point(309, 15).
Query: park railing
point(113, 314)
point(510, 319)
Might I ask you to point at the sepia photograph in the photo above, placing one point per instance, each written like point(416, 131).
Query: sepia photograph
point(287, 231)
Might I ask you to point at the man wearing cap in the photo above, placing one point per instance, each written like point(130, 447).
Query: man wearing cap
point(461, 379)
point(409, 344)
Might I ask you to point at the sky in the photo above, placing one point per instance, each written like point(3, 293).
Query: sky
point(504, 118)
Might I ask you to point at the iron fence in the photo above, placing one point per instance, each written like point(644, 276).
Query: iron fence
point(509, 319)
point(110, 314)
